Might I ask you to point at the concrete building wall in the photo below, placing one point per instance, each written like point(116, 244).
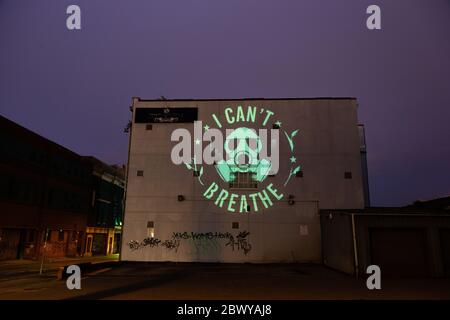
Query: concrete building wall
point(337, 242)
point(429, 225)
point(327, 146)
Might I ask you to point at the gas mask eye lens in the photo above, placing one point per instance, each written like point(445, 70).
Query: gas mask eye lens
point(231, 144)
point(252, 143)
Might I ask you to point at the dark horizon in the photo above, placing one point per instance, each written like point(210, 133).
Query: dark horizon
point(75, 87)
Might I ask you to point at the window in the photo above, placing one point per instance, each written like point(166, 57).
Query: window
point(31, 235)
point(50, 197)
point(244, 180)
point(347, 175)
point(93, 198)
point(235, 225)
point(33, 156)
point(151, 229)
point(304, 230)
point(148, 127)
point(140, 173)
point(61, 235)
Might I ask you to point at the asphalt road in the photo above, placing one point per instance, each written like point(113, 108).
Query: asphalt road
point(221, 281)
point(22, 269)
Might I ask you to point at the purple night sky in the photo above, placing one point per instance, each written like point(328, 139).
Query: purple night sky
point(75, 87)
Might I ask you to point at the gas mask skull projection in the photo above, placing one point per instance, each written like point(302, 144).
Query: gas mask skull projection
point(242, 147)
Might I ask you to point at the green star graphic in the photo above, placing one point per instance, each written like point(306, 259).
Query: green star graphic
point(206, 127)
point(197, 141)
point(293, 159)
point(278, 123)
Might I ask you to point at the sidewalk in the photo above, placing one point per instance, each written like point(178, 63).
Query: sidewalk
point(14, 269)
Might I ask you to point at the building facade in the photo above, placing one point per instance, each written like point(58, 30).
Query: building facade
point(408, 242)
point(44, 196)
point(53, 202)
point(252, 193)
point(104, 225)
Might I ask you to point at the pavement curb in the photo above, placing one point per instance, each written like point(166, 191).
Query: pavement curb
point(87, 268)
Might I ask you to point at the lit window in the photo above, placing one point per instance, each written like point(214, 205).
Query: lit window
point(151, 229)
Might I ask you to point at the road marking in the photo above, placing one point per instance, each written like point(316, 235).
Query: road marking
point(98, 271)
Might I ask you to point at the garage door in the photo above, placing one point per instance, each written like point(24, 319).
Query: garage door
point(400, 252)
point(445, 247)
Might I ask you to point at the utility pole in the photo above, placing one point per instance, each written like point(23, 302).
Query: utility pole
point(43, 251)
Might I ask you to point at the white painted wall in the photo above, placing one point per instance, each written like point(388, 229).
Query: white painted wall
point(327, 146)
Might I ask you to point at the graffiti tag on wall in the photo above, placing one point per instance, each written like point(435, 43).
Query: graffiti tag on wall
point(237, 242)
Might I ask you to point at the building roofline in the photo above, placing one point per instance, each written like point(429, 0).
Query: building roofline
point(104, 167)
point(383, 211)
point(33, 137)
point(21, 130)
point(246, 99)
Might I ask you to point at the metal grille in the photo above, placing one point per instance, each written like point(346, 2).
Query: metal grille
point(244, 180)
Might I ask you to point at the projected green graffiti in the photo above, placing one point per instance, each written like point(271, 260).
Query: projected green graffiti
point(241, 160)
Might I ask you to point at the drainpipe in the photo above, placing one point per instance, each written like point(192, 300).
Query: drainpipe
point(355, 248)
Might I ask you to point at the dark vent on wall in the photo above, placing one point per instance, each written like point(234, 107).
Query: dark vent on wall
point(165, 115)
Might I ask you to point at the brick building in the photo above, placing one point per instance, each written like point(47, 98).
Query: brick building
point(54, 201)
point(44, 196)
